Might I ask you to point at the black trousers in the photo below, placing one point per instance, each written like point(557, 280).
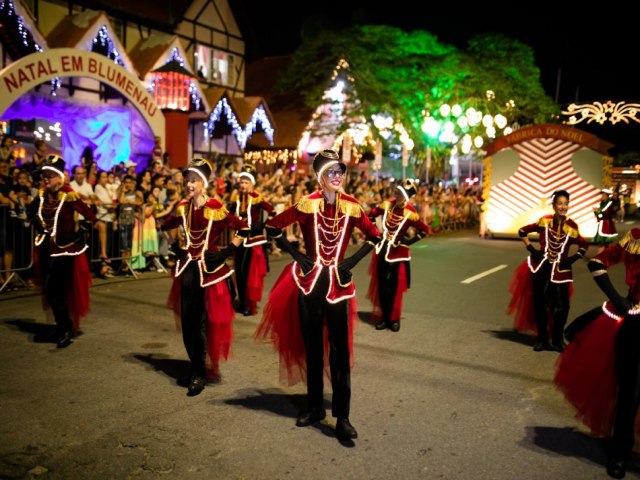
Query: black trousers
point(628, 373)
point(194, 318)
point(387, 286)
point(56, 272)
point(314, 308)
point(557, 294)
point(242, 261)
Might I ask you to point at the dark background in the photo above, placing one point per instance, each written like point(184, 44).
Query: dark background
point(584, 54)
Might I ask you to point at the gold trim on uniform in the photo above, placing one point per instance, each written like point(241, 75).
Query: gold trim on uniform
point(630, 244)
point(215, 214)
point(71, 196)
point(566, 228)
point(346, 206)
point(180, 210)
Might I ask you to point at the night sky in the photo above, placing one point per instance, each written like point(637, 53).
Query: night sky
point(584, 55)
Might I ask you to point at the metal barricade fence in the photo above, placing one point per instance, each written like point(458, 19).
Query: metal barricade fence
point(16, 249)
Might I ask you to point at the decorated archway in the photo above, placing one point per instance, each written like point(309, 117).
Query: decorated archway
point(523, 170)
point(30, 71)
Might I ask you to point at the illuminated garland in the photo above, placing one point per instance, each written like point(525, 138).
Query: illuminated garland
point(7, 15)
point(259, 116)
point(196, 100)
point(104, 45)
point(269, 157)
point(602, 112)
point(223, 107)
point(486, 181)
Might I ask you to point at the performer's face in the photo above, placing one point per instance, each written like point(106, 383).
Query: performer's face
point(400, 198)
point(332, 178)
point(561, 205)
point(245, 185)
point(52, 181)
point(194, 185)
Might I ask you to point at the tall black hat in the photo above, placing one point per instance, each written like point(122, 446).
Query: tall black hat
point(54, 163)
point(248, 171)
point(201, 167)
point(408, 188)
point(325, 159)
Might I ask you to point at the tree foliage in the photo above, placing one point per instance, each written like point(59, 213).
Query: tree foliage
point(409, 74)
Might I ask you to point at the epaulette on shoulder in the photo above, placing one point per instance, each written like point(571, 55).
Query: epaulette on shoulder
point(413, 214)
point(181, 208)
point(350, 206)
point(70, 194)
point(256, 197)
point(545, 221)
point(630, 243)
point(213, 203)
point(214, 210)
point(310, 203)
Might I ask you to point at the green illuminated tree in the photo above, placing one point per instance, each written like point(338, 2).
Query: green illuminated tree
point(408, 75)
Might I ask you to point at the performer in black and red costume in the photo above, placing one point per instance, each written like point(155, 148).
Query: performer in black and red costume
point(606, 212)
point(311, 308)
point(251, 258)
point(599, 371)
point(61, 261)
point(542, 285)
point(200, 295)
point(390, 263)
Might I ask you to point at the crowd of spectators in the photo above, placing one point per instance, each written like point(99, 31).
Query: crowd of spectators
point(131, 201)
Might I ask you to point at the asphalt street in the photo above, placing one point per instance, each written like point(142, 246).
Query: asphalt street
point(455, 394)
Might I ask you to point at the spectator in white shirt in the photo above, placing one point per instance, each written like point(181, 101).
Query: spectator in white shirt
point(82, 187)
point(105, 216)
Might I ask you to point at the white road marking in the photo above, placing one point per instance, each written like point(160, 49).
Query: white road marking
point(483, 274)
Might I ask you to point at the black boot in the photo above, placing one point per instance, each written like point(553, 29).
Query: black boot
point(312, 416)
point(395, 326)
point(344, 430)
point(186, 380)
point(616, 467)
point(381, 325)
point(541, 345)
point(196, 385)
point(64, 340)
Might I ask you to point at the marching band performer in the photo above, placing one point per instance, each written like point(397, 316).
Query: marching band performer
point(599, 371)
point(541, 285)
point(60, 258)
point(251, 258)
point(390, 263)
point(313, 300)
point(200, 295)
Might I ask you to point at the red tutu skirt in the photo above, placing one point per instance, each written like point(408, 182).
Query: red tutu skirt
point(255, 281)
point(78, 293)
point(78, 281)
point(280, 326)
point(585, 374)
point(220, 315)
point(373, 294)
point(521, 305)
